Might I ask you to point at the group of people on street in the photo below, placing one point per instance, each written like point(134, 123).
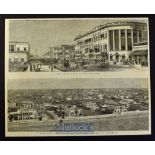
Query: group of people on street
point(32, 66)
point(51, 66)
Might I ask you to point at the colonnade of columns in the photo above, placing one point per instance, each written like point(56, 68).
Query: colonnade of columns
point(120, 37)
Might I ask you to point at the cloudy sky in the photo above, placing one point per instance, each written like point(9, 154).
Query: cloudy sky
point(41, 34)
point(77, 83)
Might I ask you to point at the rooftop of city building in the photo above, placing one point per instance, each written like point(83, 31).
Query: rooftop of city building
point(18, 42)
point(110, 24)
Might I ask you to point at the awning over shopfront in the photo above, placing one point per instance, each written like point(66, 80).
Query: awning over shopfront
point(139, 53)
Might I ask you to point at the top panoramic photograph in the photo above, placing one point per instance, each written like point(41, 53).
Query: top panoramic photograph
point(77, 45)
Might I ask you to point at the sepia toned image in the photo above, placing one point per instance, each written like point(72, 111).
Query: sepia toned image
point(67, 107)
point(77, 77)
point(78, 45)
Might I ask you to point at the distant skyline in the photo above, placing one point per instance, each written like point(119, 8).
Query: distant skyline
point(81, 83)
point(42, 34)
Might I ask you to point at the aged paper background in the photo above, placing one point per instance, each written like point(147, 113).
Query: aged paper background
point(29, 76)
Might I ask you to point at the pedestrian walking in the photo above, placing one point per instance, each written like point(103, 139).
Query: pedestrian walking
point(51, 66)
point(31, 67)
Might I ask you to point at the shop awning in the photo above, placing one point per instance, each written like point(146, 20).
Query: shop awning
point(139, 52)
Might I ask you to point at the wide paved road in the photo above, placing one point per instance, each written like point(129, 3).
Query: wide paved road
point(45, 68)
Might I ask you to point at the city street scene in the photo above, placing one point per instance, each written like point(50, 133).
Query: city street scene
point(78, 45)
point(40, 105)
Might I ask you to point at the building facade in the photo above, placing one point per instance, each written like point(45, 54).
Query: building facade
point(19, 52)
point(113, 42)
point(23, 115)
point(60, 53)
point(140, 54)
point(54, 53)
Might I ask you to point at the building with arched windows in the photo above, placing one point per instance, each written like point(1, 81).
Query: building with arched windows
point(116, 42)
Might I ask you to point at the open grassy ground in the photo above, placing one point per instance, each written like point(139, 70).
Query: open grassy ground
point(136, 121)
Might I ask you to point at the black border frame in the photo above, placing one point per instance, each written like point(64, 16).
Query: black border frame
point(75, 138)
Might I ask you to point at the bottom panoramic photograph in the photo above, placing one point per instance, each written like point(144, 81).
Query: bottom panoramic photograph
point(77, 107)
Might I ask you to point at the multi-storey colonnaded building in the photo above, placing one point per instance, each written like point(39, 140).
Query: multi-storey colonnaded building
point(118, 41)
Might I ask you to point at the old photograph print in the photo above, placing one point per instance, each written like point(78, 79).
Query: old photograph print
point(77, 77)
point(78, 45)
point(78, 107)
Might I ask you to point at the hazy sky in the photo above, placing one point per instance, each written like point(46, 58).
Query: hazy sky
point(77, 83)
point(41, 34)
